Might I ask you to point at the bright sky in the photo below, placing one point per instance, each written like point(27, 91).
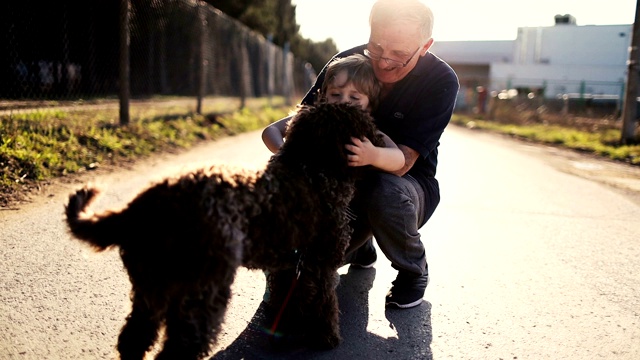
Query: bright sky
point(346, 21)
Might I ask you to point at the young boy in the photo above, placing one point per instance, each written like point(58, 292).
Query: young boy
point(349, 80)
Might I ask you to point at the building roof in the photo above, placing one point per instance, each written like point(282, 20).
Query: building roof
point(474, 52)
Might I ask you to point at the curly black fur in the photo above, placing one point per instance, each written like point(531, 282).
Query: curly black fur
point(181, 240)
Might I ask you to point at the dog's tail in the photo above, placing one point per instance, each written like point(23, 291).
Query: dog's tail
point(86, 226)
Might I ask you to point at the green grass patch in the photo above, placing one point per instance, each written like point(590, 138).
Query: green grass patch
point(605, 142)
point(44, 144)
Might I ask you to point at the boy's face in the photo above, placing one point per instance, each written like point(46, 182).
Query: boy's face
point(342, 91)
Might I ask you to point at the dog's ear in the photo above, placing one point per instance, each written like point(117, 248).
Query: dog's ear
point(316, 136)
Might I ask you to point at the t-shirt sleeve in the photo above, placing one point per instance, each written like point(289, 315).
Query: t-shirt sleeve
point(431, 114)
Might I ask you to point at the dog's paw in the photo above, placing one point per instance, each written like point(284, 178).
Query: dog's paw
point(287, 341)
point(326, 342)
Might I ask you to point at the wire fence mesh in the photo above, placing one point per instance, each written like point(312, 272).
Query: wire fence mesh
point(68, 51)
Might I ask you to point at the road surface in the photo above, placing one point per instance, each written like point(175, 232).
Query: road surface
point(534, 253)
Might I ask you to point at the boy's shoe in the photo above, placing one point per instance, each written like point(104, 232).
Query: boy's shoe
point(365, 256)
point(407, 290)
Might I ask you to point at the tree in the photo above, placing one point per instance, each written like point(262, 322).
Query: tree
point(235, 8)
point(276, 19)
point(316, 53)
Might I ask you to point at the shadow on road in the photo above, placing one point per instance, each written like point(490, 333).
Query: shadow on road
point(412, 328)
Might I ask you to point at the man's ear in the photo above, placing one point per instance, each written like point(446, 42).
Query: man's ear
point(426, 47)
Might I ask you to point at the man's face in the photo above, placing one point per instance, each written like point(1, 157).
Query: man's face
point(396, 41)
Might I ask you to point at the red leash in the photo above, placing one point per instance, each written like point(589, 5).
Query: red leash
point(284, 304)
point(286, 299)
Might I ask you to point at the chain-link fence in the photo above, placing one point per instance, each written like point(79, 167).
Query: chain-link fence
point(69, 50)
point(527, 106)
point(599, 98)
point(545, 101)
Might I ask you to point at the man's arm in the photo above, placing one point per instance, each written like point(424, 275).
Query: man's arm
point(410, 157)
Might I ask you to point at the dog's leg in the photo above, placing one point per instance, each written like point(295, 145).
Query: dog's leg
point(282, 312)
point(140, 331)
point(193, 323)
point(310, 315)
point(322, 315)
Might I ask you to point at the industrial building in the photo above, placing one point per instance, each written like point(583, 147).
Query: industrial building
point(586, 61)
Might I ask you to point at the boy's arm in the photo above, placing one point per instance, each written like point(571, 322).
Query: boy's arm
point(273, 135)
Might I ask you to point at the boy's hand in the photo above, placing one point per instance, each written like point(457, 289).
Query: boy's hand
point(363, 152)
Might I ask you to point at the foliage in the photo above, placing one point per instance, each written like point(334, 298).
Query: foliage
point(236, 8)
point(271, 18)
point(317, 54)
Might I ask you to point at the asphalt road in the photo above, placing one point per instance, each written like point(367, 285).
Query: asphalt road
point(534, 253)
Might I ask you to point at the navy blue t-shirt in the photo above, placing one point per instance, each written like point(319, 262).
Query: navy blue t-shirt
point(416, 110)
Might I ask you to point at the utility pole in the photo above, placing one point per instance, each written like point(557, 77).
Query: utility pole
point(629, 109)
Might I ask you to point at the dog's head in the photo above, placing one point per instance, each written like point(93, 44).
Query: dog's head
point(316, 137)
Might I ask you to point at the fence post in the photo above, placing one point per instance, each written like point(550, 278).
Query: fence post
point(620, 101)
point(493, 105)
point(583, 90)
point(245, 70)
point(288, 76)
point(271, 65)
point(202, 60)
point(124, 62)
point(565, 104)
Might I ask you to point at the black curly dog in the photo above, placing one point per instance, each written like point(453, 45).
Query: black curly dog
point(182, 239)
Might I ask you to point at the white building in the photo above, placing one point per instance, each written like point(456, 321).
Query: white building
point(582, 61)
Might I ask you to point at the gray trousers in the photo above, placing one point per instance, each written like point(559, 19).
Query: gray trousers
point(392, 209)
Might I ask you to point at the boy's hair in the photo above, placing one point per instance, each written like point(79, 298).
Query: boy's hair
point(390, 11)
point(359, 72)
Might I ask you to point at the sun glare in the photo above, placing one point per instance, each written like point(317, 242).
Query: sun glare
point(347, 21)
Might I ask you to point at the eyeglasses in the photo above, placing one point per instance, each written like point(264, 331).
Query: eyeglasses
point(392, 62)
